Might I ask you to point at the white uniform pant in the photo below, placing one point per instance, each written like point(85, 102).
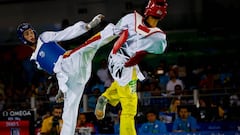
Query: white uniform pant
point(73, 70)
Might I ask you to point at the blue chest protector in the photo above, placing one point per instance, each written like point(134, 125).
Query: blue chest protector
point(48, 55)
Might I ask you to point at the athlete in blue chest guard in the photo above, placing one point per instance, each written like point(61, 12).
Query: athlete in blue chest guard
point(73, 67)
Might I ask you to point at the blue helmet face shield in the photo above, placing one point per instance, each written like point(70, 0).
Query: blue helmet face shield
point(20, 30)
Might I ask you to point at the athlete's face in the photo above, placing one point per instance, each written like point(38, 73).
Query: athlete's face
point(29, 35)
point(152, 21)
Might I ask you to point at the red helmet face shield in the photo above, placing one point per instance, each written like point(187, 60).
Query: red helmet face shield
point(156, 8)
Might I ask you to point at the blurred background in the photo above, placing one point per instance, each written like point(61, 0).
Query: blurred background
point(191, 25)
point(202, 49)
point(215, 16)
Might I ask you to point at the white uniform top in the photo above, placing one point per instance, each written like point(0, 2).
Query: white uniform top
point(69, 33)
point(66, 72)
point(141, 38)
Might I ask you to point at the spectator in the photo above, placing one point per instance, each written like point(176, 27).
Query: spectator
point(153, 125)
point(146, 94)
point(173, 82)
point(181, 94)
point(106, 125)
point(171, 114)
point(83, 125)
point(92, 99)
point(103, 73)
point(97, 84)
point(153, 85)
point(184, 122)
point(178, 91)
point(174, 104)
point(234, 100)
point(157, 100)
point(182, 69)
point(52, 125)
point(117, 123)
point(162, 74)
point(220, 109)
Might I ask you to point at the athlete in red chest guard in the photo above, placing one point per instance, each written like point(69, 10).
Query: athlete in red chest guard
point(138, 37)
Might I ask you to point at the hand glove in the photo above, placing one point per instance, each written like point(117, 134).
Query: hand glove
point(59, 97)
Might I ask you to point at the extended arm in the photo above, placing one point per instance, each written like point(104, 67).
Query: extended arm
point(73, 31)
point(136, 58)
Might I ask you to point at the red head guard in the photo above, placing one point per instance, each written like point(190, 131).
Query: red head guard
point(156, 8)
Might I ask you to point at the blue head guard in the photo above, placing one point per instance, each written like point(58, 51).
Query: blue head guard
point(23, 27)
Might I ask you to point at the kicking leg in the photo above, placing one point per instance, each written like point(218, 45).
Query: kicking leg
point(70, 111)
point(95, 21)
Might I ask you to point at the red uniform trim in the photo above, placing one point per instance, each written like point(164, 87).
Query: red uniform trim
point(143, 28)
point(121, 40)
point(89, 41)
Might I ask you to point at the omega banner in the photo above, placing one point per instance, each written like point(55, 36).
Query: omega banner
point(19, 122)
